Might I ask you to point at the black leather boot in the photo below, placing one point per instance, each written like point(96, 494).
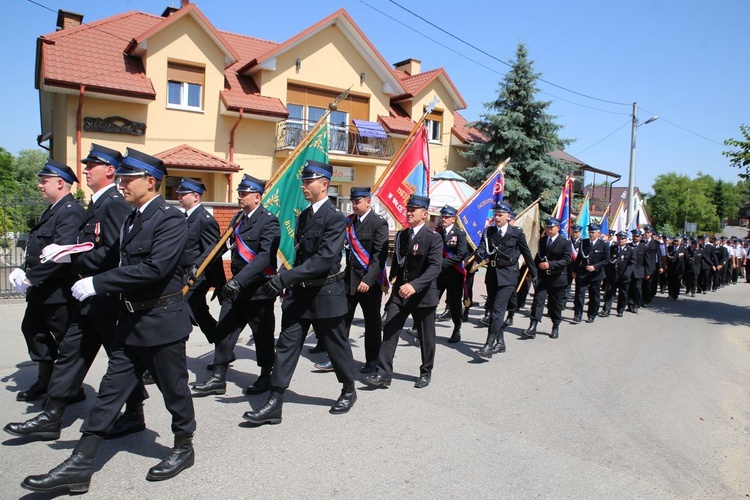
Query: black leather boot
point(456, 336)
point(486, 350)
point(530, 332)
point(38, 389)
point(130, 422)
point(45, 426)
point(346, 400)
point(465, 315)
point(269, 413)
point(215, 384)
point(74, 474)
point(500, 344)
point(181, 457)
point(261, 384)
point(555, 331)
point(508, 321)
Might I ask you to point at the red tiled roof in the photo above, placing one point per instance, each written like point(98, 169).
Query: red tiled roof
point(599, 197)
point(414, 84)
point(398, 120)
point(92, 55)
point(188, 158)
point(464, 132)
point(187, 10)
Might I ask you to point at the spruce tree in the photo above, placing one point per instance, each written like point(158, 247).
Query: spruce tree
point(519, 127)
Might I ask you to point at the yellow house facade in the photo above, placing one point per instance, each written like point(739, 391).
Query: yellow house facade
point(214, 105)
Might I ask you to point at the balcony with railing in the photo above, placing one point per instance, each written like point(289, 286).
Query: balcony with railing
point(361, 139)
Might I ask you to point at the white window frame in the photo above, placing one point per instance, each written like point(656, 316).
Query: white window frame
point(183, 105)
point(431, 126)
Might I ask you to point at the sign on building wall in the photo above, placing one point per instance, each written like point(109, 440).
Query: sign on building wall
point(342, 174)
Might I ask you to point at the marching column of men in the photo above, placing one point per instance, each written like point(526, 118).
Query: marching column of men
point(94, 320)
point(152, 329)
point(126, 293)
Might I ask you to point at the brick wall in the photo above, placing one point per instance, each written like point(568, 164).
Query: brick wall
point(223, 213)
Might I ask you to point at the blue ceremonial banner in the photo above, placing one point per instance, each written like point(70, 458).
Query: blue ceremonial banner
point(477, 213)
point(584, 219)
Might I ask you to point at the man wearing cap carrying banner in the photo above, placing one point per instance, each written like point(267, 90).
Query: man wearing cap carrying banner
point(315, 297)
point(94, 320)
point(47, 285)
point(254, 244)
point(203, 234)
point(503, 244)
point(552, 261)
point(452, 278)
point(415, 267)
point(153, 328)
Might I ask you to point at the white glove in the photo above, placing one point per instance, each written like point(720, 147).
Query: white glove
point(84, 288)
point(18, 279)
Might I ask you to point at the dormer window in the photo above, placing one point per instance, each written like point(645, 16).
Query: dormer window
point(433, 122)
point(185, 86)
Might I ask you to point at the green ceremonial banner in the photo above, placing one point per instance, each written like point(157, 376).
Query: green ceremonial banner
point(284, 197)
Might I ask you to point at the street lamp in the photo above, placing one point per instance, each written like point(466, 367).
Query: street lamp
point(631, 176)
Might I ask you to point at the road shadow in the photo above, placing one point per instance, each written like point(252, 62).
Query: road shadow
point(714, 312)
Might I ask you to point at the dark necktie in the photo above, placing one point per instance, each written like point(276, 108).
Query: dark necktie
point(90, 208)
point(136, 216)
point(411, 234)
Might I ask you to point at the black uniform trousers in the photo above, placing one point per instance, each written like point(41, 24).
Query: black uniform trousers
point(649, 287)
point(424, 321)
point(370, 303)
point(196, 299)
point(498, 298)
point(233, 317)
point(635, 293)
point(555, 304)
point(594, 288)
point(332, 332)
point(44, 327)
point(85, 335)
point(167, 364)
point(621, 287)
point(454, 287)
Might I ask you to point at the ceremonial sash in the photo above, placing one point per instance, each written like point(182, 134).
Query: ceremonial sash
point(362, 256)
point(458, 266)
point(247, 253)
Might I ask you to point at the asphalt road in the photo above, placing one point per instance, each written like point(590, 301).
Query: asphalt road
point(654, 405)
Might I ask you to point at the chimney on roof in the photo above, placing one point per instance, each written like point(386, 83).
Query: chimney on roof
point(66, 19)
point(410, 66)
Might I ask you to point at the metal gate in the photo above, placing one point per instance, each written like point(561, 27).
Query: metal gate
point(17, 217)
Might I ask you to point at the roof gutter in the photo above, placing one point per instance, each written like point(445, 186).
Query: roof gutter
point(231, 153)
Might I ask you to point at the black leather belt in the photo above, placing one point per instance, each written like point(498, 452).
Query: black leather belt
point(165, 300)
point(501, 265)
point(323, 281)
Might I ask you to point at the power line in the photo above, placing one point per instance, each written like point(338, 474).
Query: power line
point(82, 24)
point(477, 62)
point(500, 60)
point(661, 118)
point(605, 138)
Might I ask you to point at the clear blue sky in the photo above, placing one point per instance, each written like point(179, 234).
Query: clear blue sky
point(685, 61)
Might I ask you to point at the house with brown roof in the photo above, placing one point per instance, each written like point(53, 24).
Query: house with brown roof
point(214, 104)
